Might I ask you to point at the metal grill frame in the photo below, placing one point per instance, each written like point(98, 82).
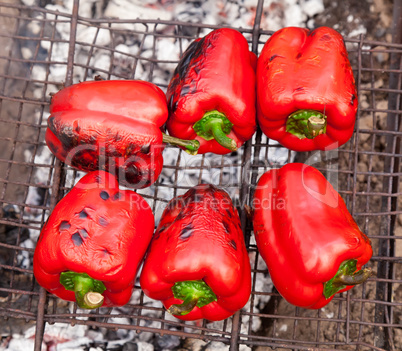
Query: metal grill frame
point(357, 187)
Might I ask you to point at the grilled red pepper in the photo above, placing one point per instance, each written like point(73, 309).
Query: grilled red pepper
point(113, 126)
point(312, 246)
point(197, 263)
point(306, 93)
point(211, 97)
point(93, 242)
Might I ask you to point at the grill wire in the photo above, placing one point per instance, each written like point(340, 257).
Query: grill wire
point(366, 171)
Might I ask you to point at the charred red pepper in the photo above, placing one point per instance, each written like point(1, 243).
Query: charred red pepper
point(312, 246)
point(197, 263)
point(91, 246)
point(114, 126)
point(306, 92)
point(211, 97)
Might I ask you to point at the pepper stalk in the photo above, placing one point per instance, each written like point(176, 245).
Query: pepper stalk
point(215, 125)
point(88, 291)
point(306, 124)
point(191, 146)
point(193, 293)
point(346, 275)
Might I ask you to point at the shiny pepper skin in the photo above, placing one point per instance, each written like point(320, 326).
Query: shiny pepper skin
point(98, 230)
point(306, 92)
point(214, 78)
point(306, 236)
point(110, 125)
point(199, 241)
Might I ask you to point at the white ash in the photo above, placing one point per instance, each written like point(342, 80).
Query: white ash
point(360, 30)
point(127, 9)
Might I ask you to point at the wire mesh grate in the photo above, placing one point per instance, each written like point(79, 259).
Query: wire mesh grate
point(44, 50)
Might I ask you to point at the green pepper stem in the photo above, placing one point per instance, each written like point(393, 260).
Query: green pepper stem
point(183, 308)
point(215, 125)
point(191, 146)
point(306, 124)
point(345, 276)
point(316, 125)
point(354, 279)
point(88, 291)
point(193, 293)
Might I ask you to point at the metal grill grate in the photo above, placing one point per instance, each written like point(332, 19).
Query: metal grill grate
point(366, 171)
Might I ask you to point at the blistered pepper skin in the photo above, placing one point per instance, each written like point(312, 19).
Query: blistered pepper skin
point(95, 229)
point(110, 125)
point(302, 70)
point(199, 237)
point(216, 73)
point(304, 233)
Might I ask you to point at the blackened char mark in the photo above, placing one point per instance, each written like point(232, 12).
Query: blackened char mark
point(64, 225)
point(133, 174)
point(83, 214)
point(145, 149)
point(98, 178)
point(85, 160)
point(273, 57)
point(164, 227)
point(112, 152)
point(84, 234)
point(93, 139)
point(104, 195)
point(195, 50)
point(160, 230)
point(326, 37)
point(298, 55)
point(118, 137)
point(188, 89)
point(312, 33)
point(117, 196)
point(352, 100)
point(50, 124)
point(187, 232)
point(185, 90)
point(67, 137)
point(180, 216)
point(172, 105)
point(77, 240)
point(103, 222)
point(232, 243)
point(226, 225)
point(229, 213)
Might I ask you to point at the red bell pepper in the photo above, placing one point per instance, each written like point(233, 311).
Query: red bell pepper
point(211, 97)
point(306, 93)
point(93, 242)
point(114, 126)
point(312, 246)
point(197, 263)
